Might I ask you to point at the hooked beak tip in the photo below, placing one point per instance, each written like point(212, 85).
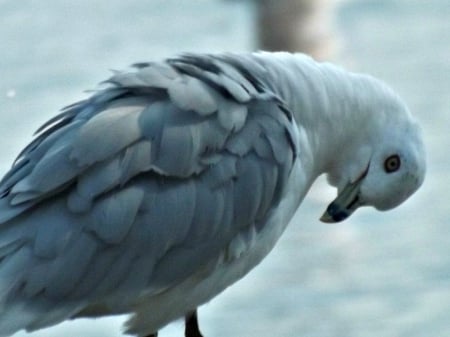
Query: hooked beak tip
point(335, 213)
point(326, 218)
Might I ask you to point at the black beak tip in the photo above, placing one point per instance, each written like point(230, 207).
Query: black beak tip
point(334, 214)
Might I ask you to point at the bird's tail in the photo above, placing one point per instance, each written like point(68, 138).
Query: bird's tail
point(17, 311)
point(14, 259)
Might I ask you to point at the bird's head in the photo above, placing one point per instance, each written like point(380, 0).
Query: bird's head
point(382, 167)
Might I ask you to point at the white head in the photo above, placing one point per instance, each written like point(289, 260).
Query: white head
point(383, 165)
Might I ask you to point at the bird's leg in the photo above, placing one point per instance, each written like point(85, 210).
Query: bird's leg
point(191, 325)
point(153, 335)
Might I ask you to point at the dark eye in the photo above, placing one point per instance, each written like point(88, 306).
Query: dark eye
point(392, 163)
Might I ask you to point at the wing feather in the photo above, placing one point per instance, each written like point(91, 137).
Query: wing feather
point(166, 167)
point(108, 132)
point(189, 93)
point(111, 218)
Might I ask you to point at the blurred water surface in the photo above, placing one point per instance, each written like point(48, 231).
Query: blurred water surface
point(377, 274)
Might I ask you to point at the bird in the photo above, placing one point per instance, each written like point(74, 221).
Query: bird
point(175, 178)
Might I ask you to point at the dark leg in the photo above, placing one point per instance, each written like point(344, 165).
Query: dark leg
point(192, 329)
point(153, 335)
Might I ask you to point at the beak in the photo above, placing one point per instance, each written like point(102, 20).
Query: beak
point(346, 202)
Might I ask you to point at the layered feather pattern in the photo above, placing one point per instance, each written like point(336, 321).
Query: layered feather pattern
point(164, 166)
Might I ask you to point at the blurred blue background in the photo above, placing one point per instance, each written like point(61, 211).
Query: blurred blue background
point(375, 275)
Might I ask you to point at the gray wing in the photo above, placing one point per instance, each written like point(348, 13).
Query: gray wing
point(138, 186)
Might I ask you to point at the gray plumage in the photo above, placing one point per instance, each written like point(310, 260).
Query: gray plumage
point(158, 181)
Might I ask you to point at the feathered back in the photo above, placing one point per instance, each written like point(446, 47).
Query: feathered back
point(169, 163)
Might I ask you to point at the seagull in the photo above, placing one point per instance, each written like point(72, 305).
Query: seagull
point(175, 178)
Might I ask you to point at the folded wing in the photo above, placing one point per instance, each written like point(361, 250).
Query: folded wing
point(137, 187)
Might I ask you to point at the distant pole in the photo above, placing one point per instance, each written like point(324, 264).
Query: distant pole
point(295, 25)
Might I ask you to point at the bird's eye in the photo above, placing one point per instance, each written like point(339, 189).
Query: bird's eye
point(392, 163)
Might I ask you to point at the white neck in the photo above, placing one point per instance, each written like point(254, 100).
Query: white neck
point(324, 100)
